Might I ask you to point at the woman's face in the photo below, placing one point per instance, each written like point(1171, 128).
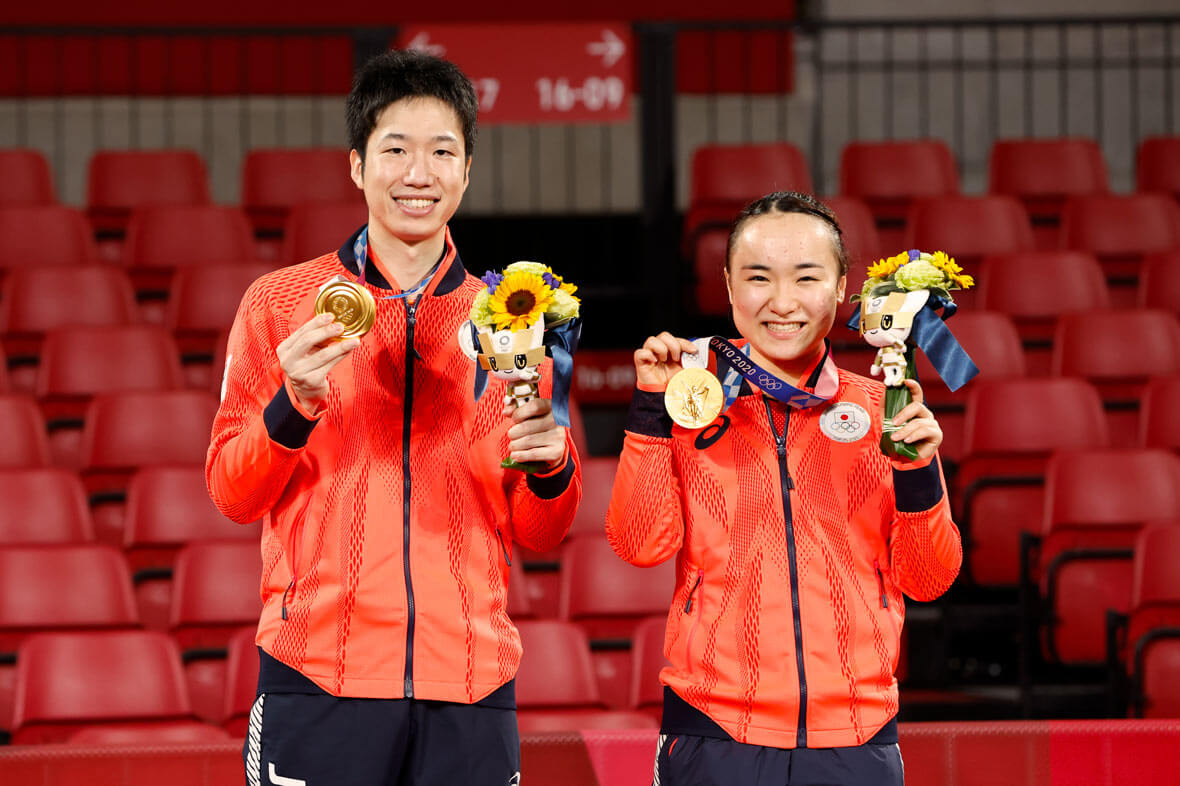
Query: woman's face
point(784, 284)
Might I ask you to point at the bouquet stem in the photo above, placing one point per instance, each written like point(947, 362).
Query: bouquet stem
point(522, 393)
point(896, 399)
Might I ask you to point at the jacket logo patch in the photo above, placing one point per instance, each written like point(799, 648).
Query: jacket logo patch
point(709, 436)
point(845, 422)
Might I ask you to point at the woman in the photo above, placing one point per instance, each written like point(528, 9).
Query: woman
point(794, 535)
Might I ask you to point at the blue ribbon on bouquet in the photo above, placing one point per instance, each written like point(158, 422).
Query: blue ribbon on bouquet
point(560, 344)
point(937, 341)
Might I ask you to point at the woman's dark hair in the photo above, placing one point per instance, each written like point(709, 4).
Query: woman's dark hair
point(790, 202)
point(391, 76)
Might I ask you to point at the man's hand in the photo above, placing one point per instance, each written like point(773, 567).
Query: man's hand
point(308, 354)
point(534, 434)
point(920, 428)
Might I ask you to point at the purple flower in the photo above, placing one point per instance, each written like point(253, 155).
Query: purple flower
point(492, 280)
point(553, 281)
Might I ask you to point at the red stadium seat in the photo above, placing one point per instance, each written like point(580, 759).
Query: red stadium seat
point(274, 181)
point(119, 181)
point(889, 176)
point(5, 382)
point(87, 361)
point(1159, 418)
point(1159, 281)
point(43, 505)
point(25, 443)
point(608, 598)
point(1121, 230)
point(36, 236)
point(555, 687)
point(710, 294)
point(66, 681)
point(241, 681)
point(215, 593)
point(1043, 173)
point(990, 339)
point(57, 587)
point(863, 244)
point(647, 695)
point(1096, 500)
point(179, 236)
point(1157, 165)
point(26, 178)
point(1035, 288)
point(1011, 428)
point(520, 605)
point(37, 299)
point(1151, 642)
point(598, 478)
point(173, 733)
point(1118, 351)
point(314, 229)
point(969, 228)
point(724, 178)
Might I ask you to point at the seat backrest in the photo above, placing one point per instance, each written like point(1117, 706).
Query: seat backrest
point(37, 299)
point(127, 179)
point(1042, 284)
point(709, 268)
point(1159, 281)
point(316, 228)
point(25, 442)
point(43, 505)
point(969, 227)
point(65, 680)
point(157, 733)
point(216, 583)
point(1157, 552)
point(647, 654)
point(283, 178)
point(86, 361)
point(206, 297)
point(1047, 167)
point(1121, 224)
point(898, 169)
point(595, 582)
point(141, 428)
point(1033, 416)
point(1132, 343)
point(241, 674)
point(40, 235)
point(170, 506)
point(598, 477)
point(1110, 488)
point(990, 339)
point(26, 178)
point(555, 669)
point(1157, 164)
point(175, 236)
point(861, 240)
point(64, 586)
point(1159, 418)
point(738, 174)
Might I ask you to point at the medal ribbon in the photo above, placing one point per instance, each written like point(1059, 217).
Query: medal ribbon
point(360, 250)
point(737, 361)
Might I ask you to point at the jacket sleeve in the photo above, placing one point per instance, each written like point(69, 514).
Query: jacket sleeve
point(925, 551)
point(259, 435)
point(543, 506)
point(645, 518)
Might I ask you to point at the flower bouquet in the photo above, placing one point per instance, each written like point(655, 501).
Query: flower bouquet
point(899, 302)
point(522, 315)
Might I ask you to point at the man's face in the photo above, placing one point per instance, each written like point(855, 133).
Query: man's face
point(415, 169)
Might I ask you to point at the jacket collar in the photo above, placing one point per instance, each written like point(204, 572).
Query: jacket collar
point(449, 275)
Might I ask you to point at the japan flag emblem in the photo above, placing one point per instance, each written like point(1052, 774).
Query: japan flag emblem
point(844, 422)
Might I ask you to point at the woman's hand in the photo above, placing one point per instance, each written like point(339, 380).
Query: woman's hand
point(658, 360)
point(916, 424)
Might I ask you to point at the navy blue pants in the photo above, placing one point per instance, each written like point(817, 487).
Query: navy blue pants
point(688, 760)
point(299, 739)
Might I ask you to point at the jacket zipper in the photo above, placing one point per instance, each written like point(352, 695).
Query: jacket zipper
point(881, 583)
point(407, 411)
point(503, 548)
point(692, 592)
point(696, 622)
point(788, 486)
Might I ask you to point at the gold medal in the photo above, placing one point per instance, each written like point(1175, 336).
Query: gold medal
point(351, 304)
point(693, 398)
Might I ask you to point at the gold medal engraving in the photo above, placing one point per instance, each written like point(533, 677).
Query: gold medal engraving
point(693, 398)
point(351, 304)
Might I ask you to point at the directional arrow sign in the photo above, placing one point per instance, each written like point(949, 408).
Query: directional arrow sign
point(538, 73)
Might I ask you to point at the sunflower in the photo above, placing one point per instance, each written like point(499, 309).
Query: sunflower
point(887, 267)
point(948, 265)
point(519, 300)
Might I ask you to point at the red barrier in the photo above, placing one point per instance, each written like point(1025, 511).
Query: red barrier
point(1017, 753)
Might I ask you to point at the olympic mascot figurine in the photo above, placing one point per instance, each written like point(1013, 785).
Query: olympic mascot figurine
point(899, 302)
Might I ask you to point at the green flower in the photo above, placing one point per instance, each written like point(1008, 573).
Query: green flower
point(536, 268)
point(481, 310)
point(564, 306)
point(867, 288)
point(919, 274)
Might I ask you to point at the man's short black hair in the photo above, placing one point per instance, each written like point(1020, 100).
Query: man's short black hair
point(406, 73)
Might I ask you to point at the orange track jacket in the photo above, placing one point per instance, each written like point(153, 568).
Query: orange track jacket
point(793, 551)
point(387, 519)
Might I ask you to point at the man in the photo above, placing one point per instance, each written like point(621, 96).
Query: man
point(387, 518)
